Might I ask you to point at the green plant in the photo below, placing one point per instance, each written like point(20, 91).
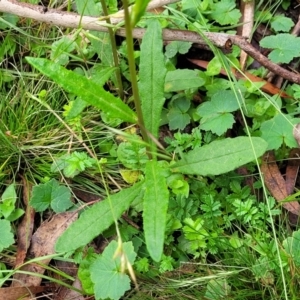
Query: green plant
point(178, 205)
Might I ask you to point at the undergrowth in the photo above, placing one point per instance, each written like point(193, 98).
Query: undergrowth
point(170, 153)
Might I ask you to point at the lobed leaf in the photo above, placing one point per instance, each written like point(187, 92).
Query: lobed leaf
point(51, 193)
point(109, 281)
point(279, 130)
point(285, 47)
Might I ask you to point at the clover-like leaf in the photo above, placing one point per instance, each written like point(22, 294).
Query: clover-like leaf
point(285, 47)
point(225, 12)
point(177, 47)
point(107, 276)
point(216, 114)
point(282, 23)
point(178, 114)
point(279, 130)
point(51, 193)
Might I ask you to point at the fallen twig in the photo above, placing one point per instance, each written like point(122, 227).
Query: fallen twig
point(73, 20)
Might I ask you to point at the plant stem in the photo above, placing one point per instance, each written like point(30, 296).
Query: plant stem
point(132, 70)
point(114, 51)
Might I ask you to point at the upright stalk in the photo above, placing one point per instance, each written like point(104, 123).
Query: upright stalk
point(132, 70)
point(114, 51)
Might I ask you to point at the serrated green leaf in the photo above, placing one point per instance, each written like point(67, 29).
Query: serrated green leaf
point(109, 281)
point(217, 124)
point(84, 88)
point(279, 130)
point(7, 237)
point(155, 206)
point(216, 113)
point(8, 200)
point(220, 156)
point(286, 47)
point(152, 77)
point(282, 23)
point(60, 198)
point(51, 193)
point(225, 12)
point(96, 219)
point(132, 154)
point(100, 76)
point(182, 79)
point(178, 119)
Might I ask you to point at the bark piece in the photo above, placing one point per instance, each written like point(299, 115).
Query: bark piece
point(25, 228)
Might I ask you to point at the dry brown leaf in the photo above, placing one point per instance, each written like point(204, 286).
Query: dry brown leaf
point(25, 228)
point(292, 170)
point(13, 293)
point(276, 183)
point(42, 244)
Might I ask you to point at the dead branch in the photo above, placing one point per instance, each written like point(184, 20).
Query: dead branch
point(72, 20)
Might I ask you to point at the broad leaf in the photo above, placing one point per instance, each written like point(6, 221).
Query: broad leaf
point(152, 76)
point(84, 88)
point(221, 156)
point(109, 281)
point(285, 47)
point(279, 130)
point(96, 219)
point(155, 206)
point(182, 79)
